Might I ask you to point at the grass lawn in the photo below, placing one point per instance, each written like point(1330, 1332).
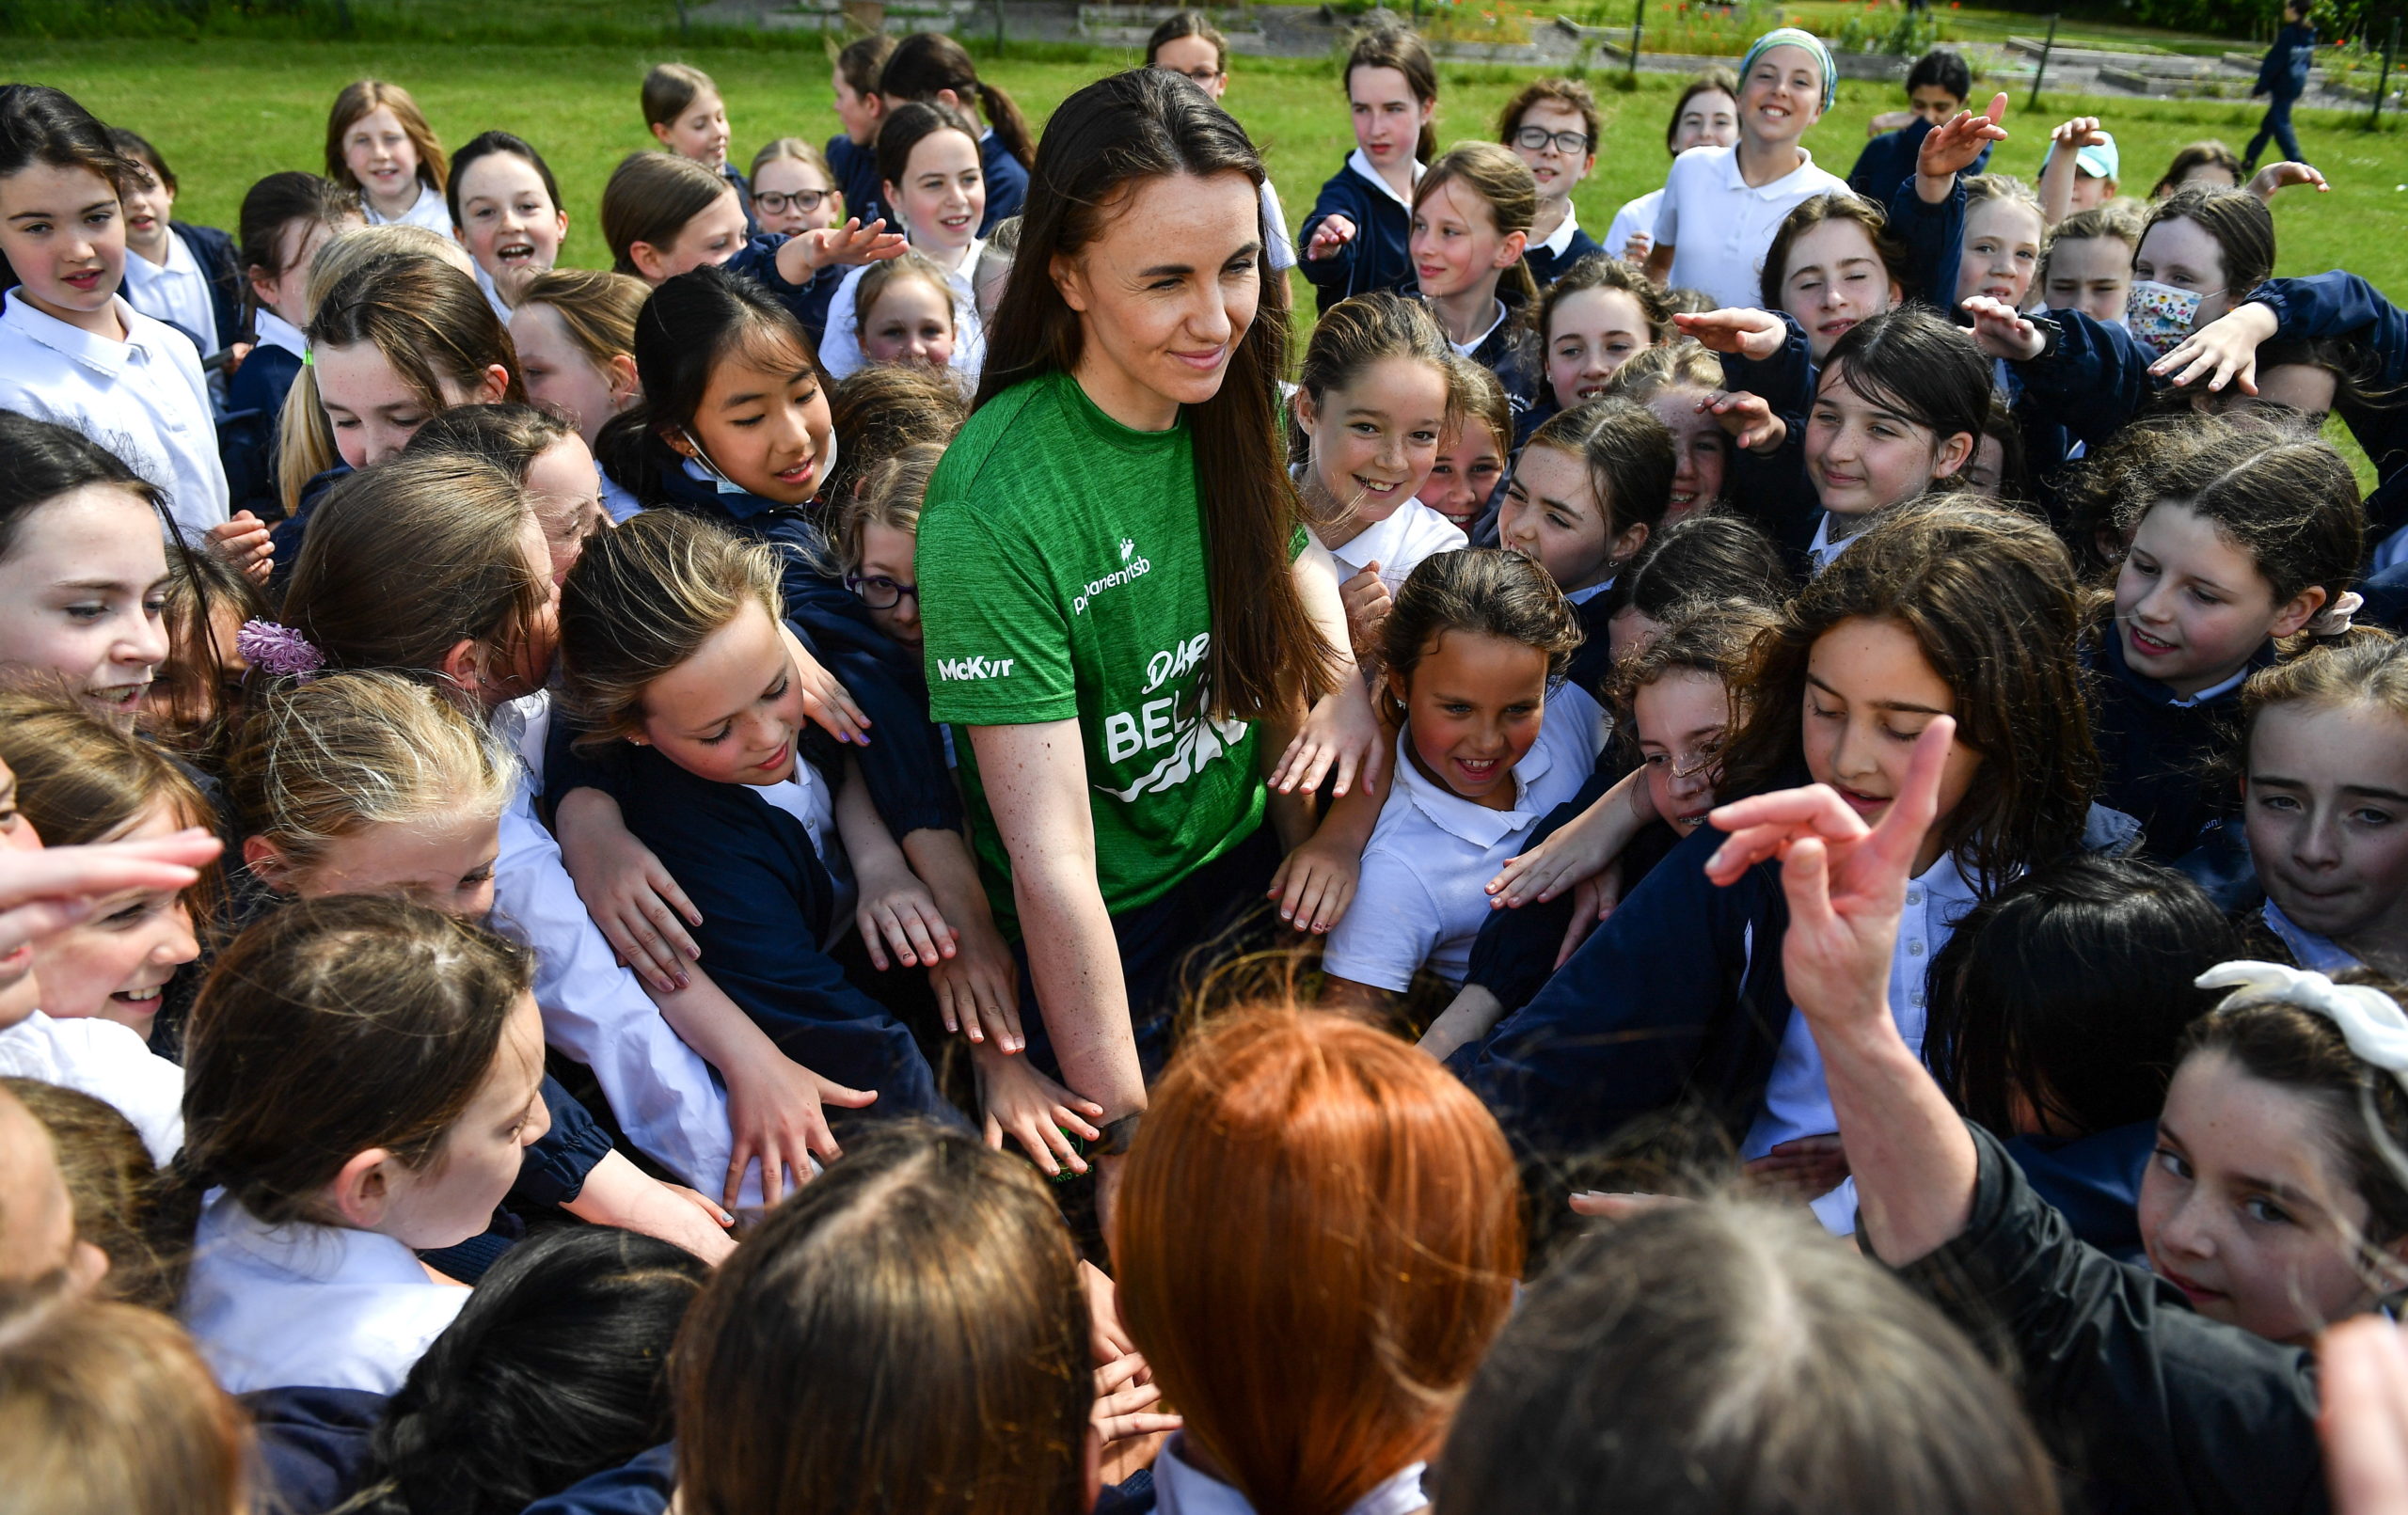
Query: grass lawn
point(226, 110)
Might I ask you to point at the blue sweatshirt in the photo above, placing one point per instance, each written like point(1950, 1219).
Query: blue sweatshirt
point(2341, 304)
point(1379, 257)
point(2156, 755)
point(856, 170)
point(1007, 181)
point(1892, 156)
point(766, 901)
point(2283, 72)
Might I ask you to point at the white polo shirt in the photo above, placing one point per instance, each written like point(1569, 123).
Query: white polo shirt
point(1422, 895)
point(1719, 225)
point(302, 1305)
point(429, 211)
point(1398, 545)
point(840, 344)
point(109, 1062)
point(1636, 216)
point(143, 399)
point(176, 292)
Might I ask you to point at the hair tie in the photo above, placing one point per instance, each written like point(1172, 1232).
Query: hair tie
point(309, 356)
point(279, 650)
point(2334, 618)
point(2370, 1021)
point(1797, 36)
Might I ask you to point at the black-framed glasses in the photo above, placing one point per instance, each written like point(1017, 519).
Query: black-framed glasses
point(1536, 138)
point(1201, 73)
point(804, 201)
point(880, 592)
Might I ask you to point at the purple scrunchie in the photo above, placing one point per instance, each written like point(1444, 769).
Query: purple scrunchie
point(279, 650)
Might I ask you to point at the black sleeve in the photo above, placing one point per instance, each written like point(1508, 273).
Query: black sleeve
point(2174, 1412)
point(553, 1170)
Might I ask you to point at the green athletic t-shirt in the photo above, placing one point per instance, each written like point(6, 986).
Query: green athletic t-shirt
point(1062, 575)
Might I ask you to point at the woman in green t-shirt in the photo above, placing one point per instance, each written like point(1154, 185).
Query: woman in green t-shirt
point(1116, 588)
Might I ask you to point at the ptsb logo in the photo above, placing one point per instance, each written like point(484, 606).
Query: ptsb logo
point(973, 667)
point(1132, 565)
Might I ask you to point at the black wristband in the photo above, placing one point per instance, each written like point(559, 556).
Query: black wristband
point(1115, 1137)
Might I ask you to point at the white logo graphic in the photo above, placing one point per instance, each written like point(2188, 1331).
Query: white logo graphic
point(973, 667)
point(1158, 723)
point(1132, 565)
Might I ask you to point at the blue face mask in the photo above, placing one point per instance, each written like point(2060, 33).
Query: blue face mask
point(2159, 316)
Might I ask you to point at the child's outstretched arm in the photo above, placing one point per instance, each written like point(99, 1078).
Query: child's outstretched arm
point(1914, 1162)
point(801, 256)
point(1580, 850)
point(1340, 733)
point(978, 987)
point(895, 911)
point(1017, 1101)
point(1956, 145)
point(617, 1192)
point(2057, 175)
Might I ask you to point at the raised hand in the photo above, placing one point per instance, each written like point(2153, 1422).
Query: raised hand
point(2225, 351)
point(2278, 175)
point(1748, 419)
point(1334, 232)
point(2000, 330)
point(1956, 144)
point(1751, 334)
point(1847, 882)
point(44, 892)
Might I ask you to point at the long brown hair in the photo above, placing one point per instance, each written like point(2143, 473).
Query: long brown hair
point(907, 1335)
point(1305, 1179)
point(332, 1027)
point(925, 63)
point(408, 559)
point(1400, 47)
point(1990, 596)
point(362, 96)
point(1266, 651)
point(428, 320)
point(1503, 182)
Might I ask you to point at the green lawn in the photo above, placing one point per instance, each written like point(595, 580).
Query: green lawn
point(228, 110)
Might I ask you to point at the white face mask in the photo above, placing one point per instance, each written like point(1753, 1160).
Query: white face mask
point(728, 486)
point(2159, 316)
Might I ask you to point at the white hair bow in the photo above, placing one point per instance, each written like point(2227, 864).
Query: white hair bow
point(2370, 1021)
point(2334, 618)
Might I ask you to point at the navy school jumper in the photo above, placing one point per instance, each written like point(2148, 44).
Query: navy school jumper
point(904, 764)
point(246, 434)
point(1547, 267)
point(214, 250)
point(766, 901)
point(1378, 257)
point(2340, 305)
point(1007, 181)
point(856, 170)
point(2157, 758)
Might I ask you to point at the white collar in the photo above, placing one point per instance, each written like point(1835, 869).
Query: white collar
point(1180, 1488)
point(1822, 550)
point(314, 1254)
point(1769, 189)
point(1383, 541)
point(1584, 596)
point(2317, 954)
point(1562, 236)
point(275, 331)
point(1361, 164)
point(179, 260)
point(1460, 817)
point(2214, 692)
point(525, 724)
point(425, 192)
point(97, 353)
point(1467, 349)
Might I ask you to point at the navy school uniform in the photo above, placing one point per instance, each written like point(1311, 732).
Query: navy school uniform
point(1594, 658)
point(1378, 257)
point(856, 170)
point(2157, 753)
point(286, 535)
point(1007, 181)
point(1678, 992)
point(743, 188)
point(312, 1446)
point(642, 1486)
point(1892, 156)
point(2095, 1182)
point(1510, 351)
point(2342, 305)
point(246, 434)
point(758, 260)
point(1547, 265)
point(904, 764)
point(214, 250)
point(767, 901)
